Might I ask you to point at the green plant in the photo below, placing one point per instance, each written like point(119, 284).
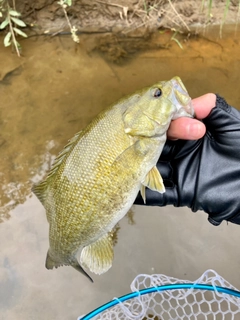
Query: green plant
point(173, 38)
point(238, 15)
point(64, 4)
point(227, 4)
point(209, 6)
point(209, 10)
point(11, 21)
point(148, 7)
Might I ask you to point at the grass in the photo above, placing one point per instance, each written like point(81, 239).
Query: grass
point(238, 16)
point(209, 5)
point(227, 5)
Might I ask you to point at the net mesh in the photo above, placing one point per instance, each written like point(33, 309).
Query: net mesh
point(178, 304)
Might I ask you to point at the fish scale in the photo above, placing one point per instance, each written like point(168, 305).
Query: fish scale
point(96, 178)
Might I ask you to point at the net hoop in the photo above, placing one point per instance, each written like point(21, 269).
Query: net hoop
point(142, 292)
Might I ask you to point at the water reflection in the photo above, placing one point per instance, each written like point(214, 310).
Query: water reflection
point(14, 193)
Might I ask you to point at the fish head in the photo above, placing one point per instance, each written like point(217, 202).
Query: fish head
point(152, 109)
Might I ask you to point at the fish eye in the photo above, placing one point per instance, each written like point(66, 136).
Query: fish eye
point(157, 93)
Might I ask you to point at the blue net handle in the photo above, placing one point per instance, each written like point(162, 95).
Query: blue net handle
point(176, 286)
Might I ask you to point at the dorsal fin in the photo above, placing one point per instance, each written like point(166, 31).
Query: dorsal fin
point(61, 156)
point(40, 188)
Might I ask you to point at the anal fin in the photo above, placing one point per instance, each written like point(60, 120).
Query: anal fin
point(51, 263)
point(77, 267)
point(98, 256)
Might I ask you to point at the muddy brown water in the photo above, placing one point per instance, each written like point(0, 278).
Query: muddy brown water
point(47, 96)
point(57, 88)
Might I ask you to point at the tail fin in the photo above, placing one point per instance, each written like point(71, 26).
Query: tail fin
point(50, 264)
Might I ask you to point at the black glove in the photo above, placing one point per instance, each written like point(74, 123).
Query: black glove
point(204, 174)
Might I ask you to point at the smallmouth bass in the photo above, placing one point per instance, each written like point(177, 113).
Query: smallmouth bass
point(96, 178)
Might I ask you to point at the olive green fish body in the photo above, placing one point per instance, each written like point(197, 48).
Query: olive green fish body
point(96, 178)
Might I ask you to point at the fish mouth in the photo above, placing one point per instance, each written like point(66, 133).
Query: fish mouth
point(181, 99)
point(188, 109)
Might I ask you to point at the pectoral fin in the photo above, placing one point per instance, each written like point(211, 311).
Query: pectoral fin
point(153, 181)
point(143, 193)
point(98, 256)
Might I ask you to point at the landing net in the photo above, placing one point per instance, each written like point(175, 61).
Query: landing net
point(159, 297)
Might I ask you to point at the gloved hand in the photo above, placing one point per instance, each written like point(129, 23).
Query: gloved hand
point(204, 174)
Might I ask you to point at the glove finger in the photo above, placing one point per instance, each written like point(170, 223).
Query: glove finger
point(169, 150)
point(154, 198)
point(223, 124)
